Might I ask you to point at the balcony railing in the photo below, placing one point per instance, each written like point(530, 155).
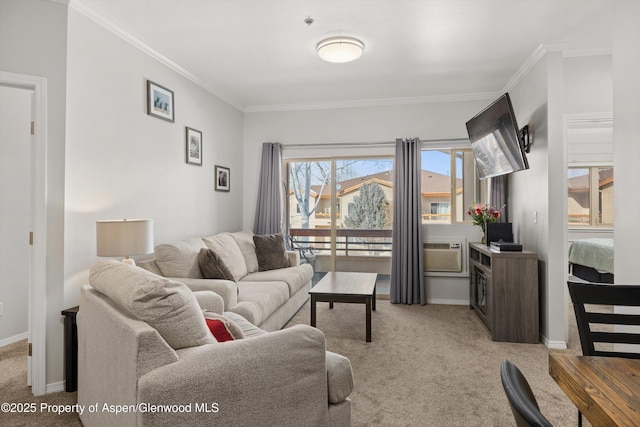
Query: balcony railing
point(348, 241)
point(436, 217)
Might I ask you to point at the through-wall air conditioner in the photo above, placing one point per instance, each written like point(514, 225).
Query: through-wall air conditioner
point(443, 257)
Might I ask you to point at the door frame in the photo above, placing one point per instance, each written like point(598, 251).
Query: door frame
point(37, 284)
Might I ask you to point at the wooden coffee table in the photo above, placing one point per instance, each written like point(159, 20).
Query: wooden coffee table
point(338, 286)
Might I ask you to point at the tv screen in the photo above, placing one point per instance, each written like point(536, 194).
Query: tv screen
point(495, 140)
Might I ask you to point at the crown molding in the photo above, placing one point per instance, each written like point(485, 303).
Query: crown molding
point(531, 62)
point(110, 26)
point(372, 102)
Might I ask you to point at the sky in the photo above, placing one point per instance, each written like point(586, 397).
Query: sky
point(432, 160)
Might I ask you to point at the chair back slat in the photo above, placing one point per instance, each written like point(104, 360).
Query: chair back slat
point(613, 318)
point(610, 295)
point(615, 338)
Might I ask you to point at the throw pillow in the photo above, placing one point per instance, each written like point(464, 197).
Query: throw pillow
point(180, 258)
point(222, 328)
point(244, 239)
point(212, 266)
point(166, 305)
point(228, 251)
point(270, 251)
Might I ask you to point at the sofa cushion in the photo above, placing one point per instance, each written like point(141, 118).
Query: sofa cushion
point(244, 240)
point(222, 328)
point(227, 249)
point(212, 266)
point(166, 305)
point(295, 277)
point(259, 300)
point(271, 252)
point(179, 259)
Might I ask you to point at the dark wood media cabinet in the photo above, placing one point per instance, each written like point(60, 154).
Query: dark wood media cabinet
point(504, 292)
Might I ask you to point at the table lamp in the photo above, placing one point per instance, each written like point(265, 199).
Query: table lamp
point(124, 237)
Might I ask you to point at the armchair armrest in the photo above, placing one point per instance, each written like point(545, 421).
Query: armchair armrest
point(227, 289)
point(208, 300)
point(280, 377)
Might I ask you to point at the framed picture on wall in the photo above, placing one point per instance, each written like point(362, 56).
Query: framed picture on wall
point(193, 144)
point(159, 102)
point(222, 178)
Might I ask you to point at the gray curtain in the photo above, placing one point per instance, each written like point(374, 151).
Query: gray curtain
point(269, 209)
point(407, 261)
point(498, 194)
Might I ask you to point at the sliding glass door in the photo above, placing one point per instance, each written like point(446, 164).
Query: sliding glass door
point(342, 208)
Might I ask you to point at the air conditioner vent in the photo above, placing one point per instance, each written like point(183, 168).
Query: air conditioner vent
point(443, 257)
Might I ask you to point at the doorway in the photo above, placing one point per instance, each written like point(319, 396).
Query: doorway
point(15, 212)
point(23, 218)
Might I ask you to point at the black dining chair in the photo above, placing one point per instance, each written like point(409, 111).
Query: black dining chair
point(599, 327)
point(521, 399)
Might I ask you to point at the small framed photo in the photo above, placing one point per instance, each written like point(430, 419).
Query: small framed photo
point(159, 102)
point(193, 143)
point(222, 178)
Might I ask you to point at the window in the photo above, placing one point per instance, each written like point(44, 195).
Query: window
point(361, 215)
point(442, 171)
point(590, 196)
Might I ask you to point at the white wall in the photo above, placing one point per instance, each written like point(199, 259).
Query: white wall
point(626, 139)
point(588, 84)
point(33, 38)
point(538, 197)
point(123, 163)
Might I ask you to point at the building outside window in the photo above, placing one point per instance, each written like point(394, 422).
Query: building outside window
point(590, 196)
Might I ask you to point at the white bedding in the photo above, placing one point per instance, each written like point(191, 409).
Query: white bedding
point(596, 253)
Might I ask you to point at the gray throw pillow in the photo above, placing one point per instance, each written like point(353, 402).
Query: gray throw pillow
point(271, 252)
point(212, 267)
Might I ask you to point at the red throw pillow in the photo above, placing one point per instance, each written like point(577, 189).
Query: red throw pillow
point(219, 330)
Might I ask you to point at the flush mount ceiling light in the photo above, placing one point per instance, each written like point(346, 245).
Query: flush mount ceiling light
point(340, 49)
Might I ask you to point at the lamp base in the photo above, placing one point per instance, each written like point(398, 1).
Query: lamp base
point(129, 261)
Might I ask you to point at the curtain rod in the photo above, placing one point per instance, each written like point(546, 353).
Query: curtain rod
point(366, 144)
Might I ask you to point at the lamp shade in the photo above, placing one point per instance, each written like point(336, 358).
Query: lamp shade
point(124, 237)
point(340, 49)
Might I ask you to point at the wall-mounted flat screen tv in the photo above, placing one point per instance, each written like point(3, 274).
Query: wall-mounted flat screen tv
point(495, 140)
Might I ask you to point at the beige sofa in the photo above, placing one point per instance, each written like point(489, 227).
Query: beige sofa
point(267, 299)
point(146, 358)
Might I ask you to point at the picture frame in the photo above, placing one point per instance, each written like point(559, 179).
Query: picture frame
point(222, 178)
point(160, 102)
point(193, 146)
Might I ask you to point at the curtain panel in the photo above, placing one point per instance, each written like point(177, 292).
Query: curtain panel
point(498, 193)
point(269, 208)
point(407, 260)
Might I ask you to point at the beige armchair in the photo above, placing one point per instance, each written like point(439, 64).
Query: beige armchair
point(136, 378)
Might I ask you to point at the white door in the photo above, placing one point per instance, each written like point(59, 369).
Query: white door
point(16, 213)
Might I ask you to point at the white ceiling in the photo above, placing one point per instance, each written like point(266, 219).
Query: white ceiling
point(260, 55)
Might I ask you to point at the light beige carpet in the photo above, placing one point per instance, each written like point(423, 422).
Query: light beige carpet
point(433, 365)
point(428, 365)
point(13, 389)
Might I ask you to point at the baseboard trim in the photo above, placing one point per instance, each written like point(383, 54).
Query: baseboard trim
point(55, 387)
point(447, 301)
point(14, 339)
point(553, 345)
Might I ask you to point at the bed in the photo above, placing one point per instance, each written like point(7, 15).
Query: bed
point(592, 259)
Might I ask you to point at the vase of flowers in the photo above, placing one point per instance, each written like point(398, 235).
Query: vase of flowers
point(482, 215)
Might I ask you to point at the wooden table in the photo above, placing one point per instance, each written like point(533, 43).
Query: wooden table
point(605, 389)
point(338, 286)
